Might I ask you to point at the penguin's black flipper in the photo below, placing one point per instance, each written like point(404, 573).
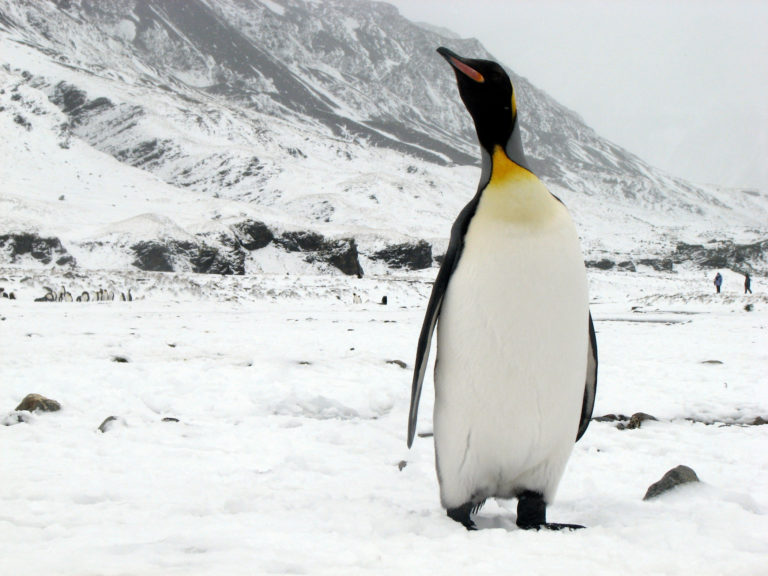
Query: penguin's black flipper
point(452, 255)
point(590, 387)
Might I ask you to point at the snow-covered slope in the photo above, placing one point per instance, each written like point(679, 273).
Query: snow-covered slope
point(335, 117)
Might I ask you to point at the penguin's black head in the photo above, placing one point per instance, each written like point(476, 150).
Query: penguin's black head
point(487, 93)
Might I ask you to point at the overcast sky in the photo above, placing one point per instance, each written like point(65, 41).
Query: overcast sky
point(681, 83)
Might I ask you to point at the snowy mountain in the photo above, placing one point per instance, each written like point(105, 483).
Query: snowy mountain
point(159, 134)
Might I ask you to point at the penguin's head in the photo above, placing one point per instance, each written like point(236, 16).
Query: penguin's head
point(487, 93)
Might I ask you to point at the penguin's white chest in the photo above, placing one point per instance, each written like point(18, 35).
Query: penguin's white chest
point(512, 343)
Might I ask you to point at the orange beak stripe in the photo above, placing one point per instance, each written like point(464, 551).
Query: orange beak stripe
point(467, 70)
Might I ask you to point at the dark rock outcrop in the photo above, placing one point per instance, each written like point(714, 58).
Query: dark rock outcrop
point(627, 265)
point(341, 253)
point(658, 264)
point(301, 241)
point(163, 256)
point(45, 250)
point(602, 264)
point(414, 256)
point(75, 103)
point(152, 257)
point(252, 234)
point(230, 260)
point(726, 254)
point(226, 254)
point(679, 475)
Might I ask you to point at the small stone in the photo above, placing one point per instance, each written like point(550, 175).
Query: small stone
point(400, 363)
point(610, 418)
point(170, 419)
point(637, 419)
point(679, 475)
point(108, 424)
point(711, 362)
point(16, 418)
point(33, 402)
point(402, 464)
point(120, 359)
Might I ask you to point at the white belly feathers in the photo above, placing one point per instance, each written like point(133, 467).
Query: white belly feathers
point(511, 348)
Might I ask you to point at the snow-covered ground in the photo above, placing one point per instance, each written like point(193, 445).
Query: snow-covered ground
point(287, 455)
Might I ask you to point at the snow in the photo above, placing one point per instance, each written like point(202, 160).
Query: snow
point(292, 424)
point(351, 25)
point(126, 30)
point(274, 7)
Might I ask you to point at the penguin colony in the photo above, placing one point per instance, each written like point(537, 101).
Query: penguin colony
point(100, 295)
point(516, 362)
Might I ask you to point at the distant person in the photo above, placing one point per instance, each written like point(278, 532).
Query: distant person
point(718, 282)
point(747, 284)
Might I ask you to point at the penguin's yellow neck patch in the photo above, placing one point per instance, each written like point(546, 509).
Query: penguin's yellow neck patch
point(515, 194)
point(503, 168)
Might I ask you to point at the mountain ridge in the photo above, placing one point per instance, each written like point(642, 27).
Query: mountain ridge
point(335, 116)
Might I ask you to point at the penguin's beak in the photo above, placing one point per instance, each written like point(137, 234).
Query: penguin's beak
point(460, 64)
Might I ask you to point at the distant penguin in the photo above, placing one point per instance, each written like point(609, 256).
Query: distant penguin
point(516, 367)
point(67, 297)
point(12, 296)
point(130, 296)
point(85, 297)
point(122, 296)
point(356, 298)
point(384, 300)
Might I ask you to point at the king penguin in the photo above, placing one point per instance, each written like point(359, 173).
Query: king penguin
point(516, 357)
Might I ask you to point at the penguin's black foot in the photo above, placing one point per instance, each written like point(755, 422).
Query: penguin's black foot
point(531, 510)
point(532, 514)
point(461, 515)
point(552, 526)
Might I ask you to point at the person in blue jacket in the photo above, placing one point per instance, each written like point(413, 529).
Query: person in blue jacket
point(718, 282)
